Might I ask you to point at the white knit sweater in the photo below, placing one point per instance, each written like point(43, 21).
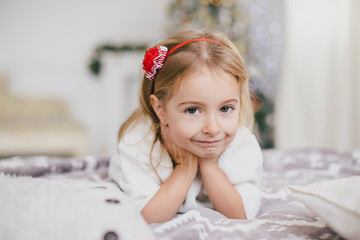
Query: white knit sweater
point(131, 169)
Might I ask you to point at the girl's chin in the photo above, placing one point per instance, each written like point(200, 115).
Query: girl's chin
point(206, 154)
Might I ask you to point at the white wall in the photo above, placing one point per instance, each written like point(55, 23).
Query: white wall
point(45, 48)
point(46, 45)
point(318, 101)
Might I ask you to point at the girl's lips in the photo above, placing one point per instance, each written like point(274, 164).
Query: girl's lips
point(209, 143)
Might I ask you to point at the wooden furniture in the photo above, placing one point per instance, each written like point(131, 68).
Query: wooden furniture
point(37, 126)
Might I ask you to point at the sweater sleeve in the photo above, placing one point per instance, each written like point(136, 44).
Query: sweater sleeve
point(242, 164)
point(131, 169)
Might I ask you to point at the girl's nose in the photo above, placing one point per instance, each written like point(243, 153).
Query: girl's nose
point(212, 125)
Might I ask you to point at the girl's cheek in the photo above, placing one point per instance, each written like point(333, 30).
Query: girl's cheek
point(230, 125)
point(181, 134)
point(235, 127)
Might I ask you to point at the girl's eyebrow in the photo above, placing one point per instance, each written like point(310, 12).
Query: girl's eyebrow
point(231, 100)
point(200, 103)
point(189, 103)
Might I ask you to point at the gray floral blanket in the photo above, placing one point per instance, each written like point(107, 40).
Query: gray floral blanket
point(280, 215)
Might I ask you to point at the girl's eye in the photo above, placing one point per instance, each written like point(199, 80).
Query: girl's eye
point(192, 110)
point(226, 109)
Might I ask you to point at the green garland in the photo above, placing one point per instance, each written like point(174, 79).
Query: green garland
point(95, 62)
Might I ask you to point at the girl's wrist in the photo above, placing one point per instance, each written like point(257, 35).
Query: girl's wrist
point(190, 169)
point(206, 163)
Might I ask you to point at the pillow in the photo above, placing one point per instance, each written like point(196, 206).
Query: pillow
point(336, 201)
point(39, 208)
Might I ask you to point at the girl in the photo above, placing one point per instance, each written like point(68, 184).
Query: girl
point(189, 145)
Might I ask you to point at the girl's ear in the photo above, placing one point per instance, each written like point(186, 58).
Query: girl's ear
point(158, 107)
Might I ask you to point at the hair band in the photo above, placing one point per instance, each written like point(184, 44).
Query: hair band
point(193, 40)
point(154, 57)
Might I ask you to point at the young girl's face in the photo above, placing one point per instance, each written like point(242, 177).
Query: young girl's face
point(203, 114)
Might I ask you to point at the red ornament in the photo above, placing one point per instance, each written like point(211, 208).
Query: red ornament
point(149, 57)
point(153, 60)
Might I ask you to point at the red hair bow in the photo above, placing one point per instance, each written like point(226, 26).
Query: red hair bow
point(153, 60)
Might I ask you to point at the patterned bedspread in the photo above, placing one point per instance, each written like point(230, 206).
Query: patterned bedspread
point(280, 216)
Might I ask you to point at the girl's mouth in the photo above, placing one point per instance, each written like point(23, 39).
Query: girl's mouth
point(209, 143)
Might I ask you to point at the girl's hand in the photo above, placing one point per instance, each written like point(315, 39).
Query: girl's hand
point(222, 193)
point(177, 153)
point(172, 193)
point(203, 161)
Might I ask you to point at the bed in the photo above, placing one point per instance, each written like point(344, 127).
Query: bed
point(306, 194)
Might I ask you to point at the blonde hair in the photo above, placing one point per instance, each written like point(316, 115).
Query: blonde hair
point(185, 61)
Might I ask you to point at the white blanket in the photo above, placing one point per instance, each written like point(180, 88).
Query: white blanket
point(36, 208)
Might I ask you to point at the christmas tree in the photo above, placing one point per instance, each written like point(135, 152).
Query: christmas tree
point(255, 27)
